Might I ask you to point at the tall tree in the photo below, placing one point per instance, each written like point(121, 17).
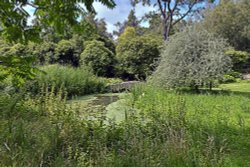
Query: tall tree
point(173, 11)
point(136, 54)
point(193, 57)
point(15, 28)
point(56, 13)
point(131, 21)
point(230, 19)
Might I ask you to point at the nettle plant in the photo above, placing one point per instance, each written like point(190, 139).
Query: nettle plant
point(194, 58)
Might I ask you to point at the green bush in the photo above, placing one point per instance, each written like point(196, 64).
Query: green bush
point(76, 81)
point(235, 74)
point(16, 63)
point(192, 58)
point(137, 55)
point(239, 58)
point(231, 77)
point(99, 58)
point(228, 79)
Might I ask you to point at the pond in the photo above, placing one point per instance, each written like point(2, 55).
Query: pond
point(104, 100)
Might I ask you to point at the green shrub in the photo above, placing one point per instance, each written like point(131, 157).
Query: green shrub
point(228, 79)
point(137, 55)
point(99, 58)
point(16, 64)
point(231, 77)
point(76, 81)
point(239, 58)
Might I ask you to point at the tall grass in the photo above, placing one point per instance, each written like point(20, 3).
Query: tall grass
point(218, 124)
point(76, 81)
point(161, 129)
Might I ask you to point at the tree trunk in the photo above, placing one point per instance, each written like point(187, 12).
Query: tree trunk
point(210, 85)
point(196, 88)
point(165, 30)
point(167, 24)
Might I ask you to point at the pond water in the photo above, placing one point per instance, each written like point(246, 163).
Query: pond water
point(104, 100)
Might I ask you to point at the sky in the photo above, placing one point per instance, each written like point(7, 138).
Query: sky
point(120, 12)
point(111, 16)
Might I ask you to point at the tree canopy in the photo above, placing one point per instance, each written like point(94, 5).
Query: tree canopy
point(173, 11)
point(230, 19)
point(57, 13)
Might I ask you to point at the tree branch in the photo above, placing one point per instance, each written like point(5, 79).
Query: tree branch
point(185, 14)
point(161, 9)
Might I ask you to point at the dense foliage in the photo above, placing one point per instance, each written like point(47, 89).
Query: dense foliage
point(230, 19)
point(99, 58)
point(193, 58)
point(239, 58)
point(137, 55)
point(65, 51)
point(48, 13)
point(16, 63)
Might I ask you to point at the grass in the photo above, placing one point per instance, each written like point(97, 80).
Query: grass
point(76, 81)
point(148, 127)
point(223, 116)
point(240, 86)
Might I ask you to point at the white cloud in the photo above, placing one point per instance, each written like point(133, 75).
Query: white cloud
point(120, 12)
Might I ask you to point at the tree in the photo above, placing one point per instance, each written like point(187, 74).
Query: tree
point(136, 54)
point(99, 26)
point(99, 58)
point(49, 13)
point(66, 52)
point(131, 21)
point(239, 59)
point(56, 13)
point(44, 52)
point(18, 61)
point(230, 19)
point(193, 58)
point(173, 11)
